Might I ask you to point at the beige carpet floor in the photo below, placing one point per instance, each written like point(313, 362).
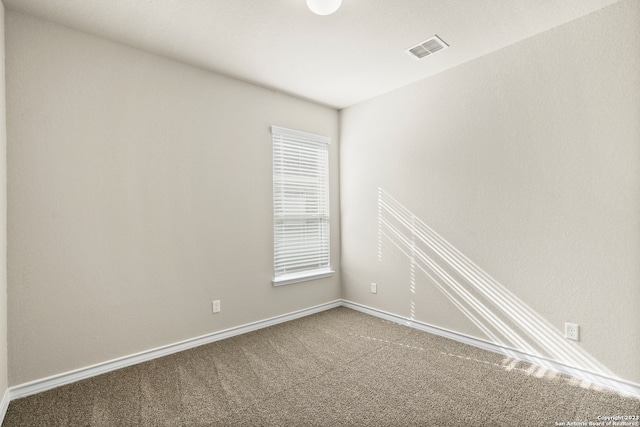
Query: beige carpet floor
point(335, 368)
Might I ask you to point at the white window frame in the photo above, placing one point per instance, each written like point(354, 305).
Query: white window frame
point(300, 206)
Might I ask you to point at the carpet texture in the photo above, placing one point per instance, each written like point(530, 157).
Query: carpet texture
point(335, 368)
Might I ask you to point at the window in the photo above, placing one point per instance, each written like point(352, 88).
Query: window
point(300, 206)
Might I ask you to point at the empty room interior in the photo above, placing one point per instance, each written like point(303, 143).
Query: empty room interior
point(320, 213)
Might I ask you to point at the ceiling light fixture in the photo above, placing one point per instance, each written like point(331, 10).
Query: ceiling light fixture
point(324, 7)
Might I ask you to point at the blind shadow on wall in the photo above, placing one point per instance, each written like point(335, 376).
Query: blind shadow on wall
point(498, 313)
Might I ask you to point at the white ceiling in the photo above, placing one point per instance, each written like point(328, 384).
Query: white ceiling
point(337, 60)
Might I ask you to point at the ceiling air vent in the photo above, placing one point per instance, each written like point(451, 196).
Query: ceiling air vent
point(427, 47)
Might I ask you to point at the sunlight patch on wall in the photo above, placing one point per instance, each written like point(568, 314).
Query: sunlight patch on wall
point(505, 319)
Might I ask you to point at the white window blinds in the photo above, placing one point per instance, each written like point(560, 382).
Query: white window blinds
point(300, 205)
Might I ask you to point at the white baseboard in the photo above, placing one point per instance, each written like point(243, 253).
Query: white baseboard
point(4, 404)
point(37, 386)
point(617, 384)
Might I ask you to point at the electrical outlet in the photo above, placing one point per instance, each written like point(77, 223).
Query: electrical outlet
point(572, 331)
point(374, 288)
point(216, 306)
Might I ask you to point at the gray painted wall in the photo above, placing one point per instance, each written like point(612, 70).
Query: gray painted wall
point(139, 191)
point(527, 162)
point(3, 216)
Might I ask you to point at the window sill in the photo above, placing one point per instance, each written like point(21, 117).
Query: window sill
point(304, 276)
